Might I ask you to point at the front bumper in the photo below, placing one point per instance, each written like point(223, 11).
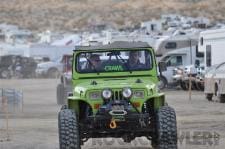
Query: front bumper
point(135, 124)
point(131, 121)
point(177, 78)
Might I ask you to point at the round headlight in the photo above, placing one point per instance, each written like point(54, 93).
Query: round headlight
point(106, 93)
point(127, 92)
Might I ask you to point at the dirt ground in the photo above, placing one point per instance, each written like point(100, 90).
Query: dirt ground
point(201, 124)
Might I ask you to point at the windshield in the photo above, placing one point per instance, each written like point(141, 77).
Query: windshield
point(114, 61)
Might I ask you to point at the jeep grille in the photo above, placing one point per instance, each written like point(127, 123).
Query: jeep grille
point(117, 95)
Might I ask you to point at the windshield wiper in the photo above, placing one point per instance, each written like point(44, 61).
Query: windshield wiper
point(124, 62)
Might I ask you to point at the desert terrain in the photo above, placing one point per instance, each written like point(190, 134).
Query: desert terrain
point(68, 15)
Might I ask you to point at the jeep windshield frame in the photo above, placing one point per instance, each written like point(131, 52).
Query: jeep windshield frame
point(115, 46)
point(114, 60)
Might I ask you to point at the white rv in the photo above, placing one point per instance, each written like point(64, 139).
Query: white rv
point(212, 43)
point(177, 52)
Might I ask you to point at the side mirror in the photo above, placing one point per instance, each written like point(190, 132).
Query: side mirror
point(162, 67)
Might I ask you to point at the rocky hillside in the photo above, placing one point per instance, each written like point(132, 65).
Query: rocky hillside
point(81, 14)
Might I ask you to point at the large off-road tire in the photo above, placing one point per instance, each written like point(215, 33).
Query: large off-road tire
point(68, 130)
point(209, 97)
point(61, 94)
point(166, 129)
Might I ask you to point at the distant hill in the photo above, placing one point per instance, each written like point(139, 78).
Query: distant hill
point(81, 14)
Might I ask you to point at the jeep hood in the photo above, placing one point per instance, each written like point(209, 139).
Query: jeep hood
point(116, 83)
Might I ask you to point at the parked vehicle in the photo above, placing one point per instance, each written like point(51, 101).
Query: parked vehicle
point(200, 83)
point(116, 99)
point(28, 67)
point(6, 63)
point(178, 58)
point(182, 77)
point(65, 85)
point(14, 66)
point(215, 82)
point(41, 59)
point(50, 69)
point(212, 43)
point(176, 51)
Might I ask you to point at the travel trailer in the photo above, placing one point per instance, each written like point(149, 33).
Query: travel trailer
point(212, 44)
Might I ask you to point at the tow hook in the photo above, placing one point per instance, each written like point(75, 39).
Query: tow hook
point(112, 124)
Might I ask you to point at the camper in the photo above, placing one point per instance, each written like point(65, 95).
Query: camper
point(178, 51)
point(212, 43)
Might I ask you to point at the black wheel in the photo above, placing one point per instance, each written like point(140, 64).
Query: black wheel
point(194, 86)
point(222, 98)
point(166, 129)
point(68, 130)
point(200, 86)
point(187, 85)
point(61, 94)
point(5, 74)
point(183, 85)
point(209, 97)
point(162, 82)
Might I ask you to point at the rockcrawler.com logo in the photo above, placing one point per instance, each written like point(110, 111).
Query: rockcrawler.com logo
point(203, 138)
point(185, 138)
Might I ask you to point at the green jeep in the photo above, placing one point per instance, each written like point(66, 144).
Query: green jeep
point(115, 97)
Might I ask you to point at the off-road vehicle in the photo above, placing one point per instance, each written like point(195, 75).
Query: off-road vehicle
point(15, 66)
point(115, 98)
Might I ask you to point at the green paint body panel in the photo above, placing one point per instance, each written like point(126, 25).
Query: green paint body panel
point(82, 84)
